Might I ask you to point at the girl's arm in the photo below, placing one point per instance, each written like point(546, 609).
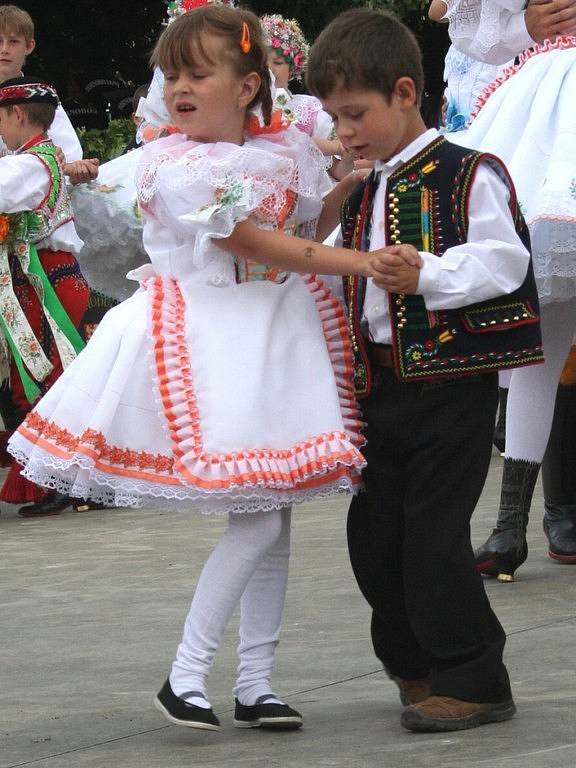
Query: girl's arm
point(294, 253)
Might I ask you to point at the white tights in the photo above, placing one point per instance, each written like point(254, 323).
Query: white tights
point(532, 391)
point(249, 565)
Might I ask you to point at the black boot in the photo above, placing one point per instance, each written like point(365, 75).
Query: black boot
point(559, 479)
point(53, 504)
point(499, 438)
point(506, 549)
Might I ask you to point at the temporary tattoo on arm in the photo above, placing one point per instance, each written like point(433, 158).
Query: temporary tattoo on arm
point(309, 252)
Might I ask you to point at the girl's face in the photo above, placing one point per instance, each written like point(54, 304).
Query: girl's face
point(280, 69)
point(207, 101)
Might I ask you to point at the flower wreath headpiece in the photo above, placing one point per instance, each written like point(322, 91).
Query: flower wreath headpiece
point(285, 37)
point(179, 7)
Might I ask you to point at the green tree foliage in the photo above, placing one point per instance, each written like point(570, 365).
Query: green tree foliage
point(108, 143)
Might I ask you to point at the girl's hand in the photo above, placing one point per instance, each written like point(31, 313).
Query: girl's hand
point(406, 252)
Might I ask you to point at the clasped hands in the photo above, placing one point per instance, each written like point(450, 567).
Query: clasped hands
point(395, 268)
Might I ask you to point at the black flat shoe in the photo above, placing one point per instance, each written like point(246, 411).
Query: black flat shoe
point(52, 505)
point(263, 715)
point(180, 712)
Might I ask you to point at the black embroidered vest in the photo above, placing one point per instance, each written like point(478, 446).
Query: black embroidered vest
point(427, 207)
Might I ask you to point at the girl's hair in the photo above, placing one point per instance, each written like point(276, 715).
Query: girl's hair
point(182, 44)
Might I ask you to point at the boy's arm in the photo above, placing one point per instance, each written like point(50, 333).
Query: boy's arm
point(492, 262)
point(437, 11)
point(294, 253)
point(24, 183)
point(332, 203)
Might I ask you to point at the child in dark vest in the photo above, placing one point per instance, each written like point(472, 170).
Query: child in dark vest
point(429, 341)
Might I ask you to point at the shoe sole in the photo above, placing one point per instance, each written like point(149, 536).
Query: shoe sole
point(31, 515)
point(566, 559)
point(186, 723)
point(413, 721)
point(271, 723)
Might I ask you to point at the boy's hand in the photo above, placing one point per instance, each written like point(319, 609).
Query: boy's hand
point(82, 171)
point(406, 252)
point(396, 268)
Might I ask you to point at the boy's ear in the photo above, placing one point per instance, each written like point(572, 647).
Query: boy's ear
point(250, 87)
point(30, 46)
point(19, 112)
point(405, 91)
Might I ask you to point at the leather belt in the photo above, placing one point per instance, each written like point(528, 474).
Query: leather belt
point(382, 355)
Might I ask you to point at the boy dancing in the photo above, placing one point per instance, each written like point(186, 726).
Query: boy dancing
point(429, 341)
point(43, 296)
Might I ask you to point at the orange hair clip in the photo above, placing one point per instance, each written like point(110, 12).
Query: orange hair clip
point(245, 42)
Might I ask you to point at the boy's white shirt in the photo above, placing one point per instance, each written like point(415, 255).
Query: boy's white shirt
point(493, 32)
point(480, 269)
point(24, 183)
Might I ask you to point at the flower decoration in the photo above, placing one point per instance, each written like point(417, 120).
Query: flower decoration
point(4, 227)
point(179, 7)
point(285, 37)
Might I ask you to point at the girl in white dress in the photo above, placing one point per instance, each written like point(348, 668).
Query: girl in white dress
point(106, 210)
point(527, 118)
point(287, 59)
point(219, 385)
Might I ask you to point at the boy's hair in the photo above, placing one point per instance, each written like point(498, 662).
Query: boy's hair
point(180, 45)
point(367, 50)
point(15, 19)
point(41, 115)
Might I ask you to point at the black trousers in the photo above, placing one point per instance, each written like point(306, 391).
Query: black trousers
point(428, 451)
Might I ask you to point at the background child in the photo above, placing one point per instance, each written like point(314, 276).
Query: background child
point(465, 77)
point(16, 43)
point(44, 295)
point(287, 59)
point(527, 119)
point(428, 344)
point(176, 432)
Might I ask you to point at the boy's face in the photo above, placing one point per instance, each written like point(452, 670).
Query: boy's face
point(368, 124)
point(11, 127)
point(13, 51)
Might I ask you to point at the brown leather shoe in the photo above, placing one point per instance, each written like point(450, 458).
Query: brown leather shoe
point(412, 691)
point(441, 713)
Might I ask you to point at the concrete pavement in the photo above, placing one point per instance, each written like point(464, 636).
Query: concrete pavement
point(92, 607)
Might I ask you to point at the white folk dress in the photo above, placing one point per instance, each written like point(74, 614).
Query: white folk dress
point(228, 396)
point(527, 117)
